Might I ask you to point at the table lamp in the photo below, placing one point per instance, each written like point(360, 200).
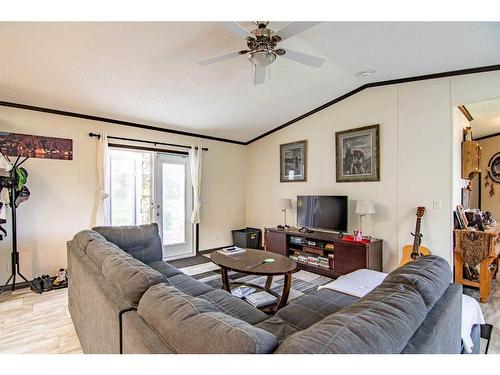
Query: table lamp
point(285, 204)
point(364, 207)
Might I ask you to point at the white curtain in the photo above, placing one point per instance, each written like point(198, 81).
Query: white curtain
point(100, 212)
point(195, 161)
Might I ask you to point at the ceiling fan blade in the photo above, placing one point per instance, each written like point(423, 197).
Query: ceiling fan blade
point(259, 74)
point(237, 29)
point(303, 58)
point(225, 56)
point(294, 28)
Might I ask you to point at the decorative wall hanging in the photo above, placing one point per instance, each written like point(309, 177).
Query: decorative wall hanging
point(488, 182)
point(358, 154)
point(35, 146)
point(494, 168)
point(293, 161)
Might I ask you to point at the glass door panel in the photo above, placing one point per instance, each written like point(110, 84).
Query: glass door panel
point(174, 205)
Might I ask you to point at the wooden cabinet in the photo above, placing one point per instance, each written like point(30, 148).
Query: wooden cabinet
point(471, 156)
point(349, 257)
point(342, 255)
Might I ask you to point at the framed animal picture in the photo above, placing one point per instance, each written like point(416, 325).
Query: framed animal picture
point(358, 154)
point(293, 158)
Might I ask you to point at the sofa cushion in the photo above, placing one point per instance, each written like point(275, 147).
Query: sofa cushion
point(130, 276)
point(228, 304)
point(381, 322)
point(278, 327)
point(164, 268)
point(440, 332)
point(193, 325)
point(98, 250)
point(429, 275)
point(84, 237)
point(142, 242)
point(188, 285)
point(311, 308)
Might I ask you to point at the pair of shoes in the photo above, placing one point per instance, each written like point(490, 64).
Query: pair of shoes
point(61, 279)
point(37, 285)
point(47, 285)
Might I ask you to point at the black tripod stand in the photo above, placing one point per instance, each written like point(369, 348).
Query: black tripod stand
point(15, 254)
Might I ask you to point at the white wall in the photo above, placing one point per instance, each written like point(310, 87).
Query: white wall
point(418, 153)
point(62, 192)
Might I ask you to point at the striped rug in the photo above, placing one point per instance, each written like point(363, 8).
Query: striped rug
point(303, 282)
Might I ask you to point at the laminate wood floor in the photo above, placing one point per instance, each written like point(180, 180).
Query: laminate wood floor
point(37, 323)
point(41, 323)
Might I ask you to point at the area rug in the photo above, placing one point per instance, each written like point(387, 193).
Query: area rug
point(303, 282)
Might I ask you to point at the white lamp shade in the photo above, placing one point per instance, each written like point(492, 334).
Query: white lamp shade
point(365, 207)
point(285, 204)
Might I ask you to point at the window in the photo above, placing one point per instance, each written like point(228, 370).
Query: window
point(130, 200)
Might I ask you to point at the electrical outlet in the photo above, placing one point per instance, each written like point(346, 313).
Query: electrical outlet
point(436, 204)
point(9, 266)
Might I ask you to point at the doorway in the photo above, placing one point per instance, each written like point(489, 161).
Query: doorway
point(146, 187)
point(174, 204)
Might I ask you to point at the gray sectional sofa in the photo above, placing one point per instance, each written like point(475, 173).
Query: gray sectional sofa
point(124, 298)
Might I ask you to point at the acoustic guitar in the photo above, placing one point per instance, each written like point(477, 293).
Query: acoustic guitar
point(412, 252)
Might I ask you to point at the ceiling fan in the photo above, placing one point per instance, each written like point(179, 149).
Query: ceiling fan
point(262, 44)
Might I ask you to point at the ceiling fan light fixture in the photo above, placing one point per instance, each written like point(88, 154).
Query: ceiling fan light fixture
point(262, 56)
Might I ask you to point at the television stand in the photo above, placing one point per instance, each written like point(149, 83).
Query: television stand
point(325, 253)
point(306, 230)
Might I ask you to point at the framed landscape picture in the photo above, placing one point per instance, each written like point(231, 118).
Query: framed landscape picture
point(358, 154)
point(36, 146)
point(293, 158)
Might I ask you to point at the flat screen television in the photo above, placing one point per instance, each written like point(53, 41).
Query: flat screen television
point(322, 212)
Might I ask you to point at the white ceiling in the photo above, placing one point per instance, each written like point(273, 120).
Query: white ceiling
point(148, 72)
point(485, 117)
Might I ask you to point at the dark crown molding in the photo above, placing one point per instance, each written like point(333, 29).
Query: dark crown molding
point(452, 73)
point(465, 112)
point(116, 122)
point(487, 136)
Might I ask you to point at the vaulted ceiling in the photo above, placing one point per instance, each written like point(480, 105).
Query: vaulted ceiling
point(486, 117)
point(148, 72)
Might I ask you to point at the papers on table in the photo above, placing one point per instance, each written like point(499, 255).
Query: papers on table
point(232, 250)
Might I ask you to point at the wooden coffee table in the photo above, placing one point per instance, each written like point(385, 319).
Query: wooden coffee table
point(251, 263)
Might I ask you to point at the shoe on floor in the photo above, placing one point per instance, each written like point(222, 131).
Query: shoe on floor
point(37, 285)
point(47, 285)
point(61, 278)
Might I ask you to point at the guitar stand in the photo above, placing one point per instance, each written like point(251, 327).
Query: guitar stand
point(15, 254)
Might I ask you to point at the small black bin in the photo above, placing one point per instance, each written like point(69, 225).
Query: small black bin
point(249, 238)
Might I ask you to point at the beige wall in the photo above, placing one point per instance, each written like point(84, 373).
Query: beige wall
point(419, 165)
point(490, 146)
point(62, 192)
point(419, 146)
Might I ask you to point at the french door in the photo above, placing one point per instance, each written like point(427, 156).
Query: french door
point(174, 204)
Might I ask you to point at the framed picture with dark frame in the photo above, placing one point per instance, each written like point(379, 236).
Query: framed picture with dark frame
point(494, 168)
point(358, 154)
point(293, 161)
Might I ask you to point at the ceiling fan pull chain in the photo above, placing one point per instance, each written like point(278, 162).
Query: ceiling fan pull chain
point(269, 74)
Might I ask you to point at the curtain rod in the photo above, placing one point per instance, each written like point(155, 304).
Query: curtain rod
point(98, 136)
